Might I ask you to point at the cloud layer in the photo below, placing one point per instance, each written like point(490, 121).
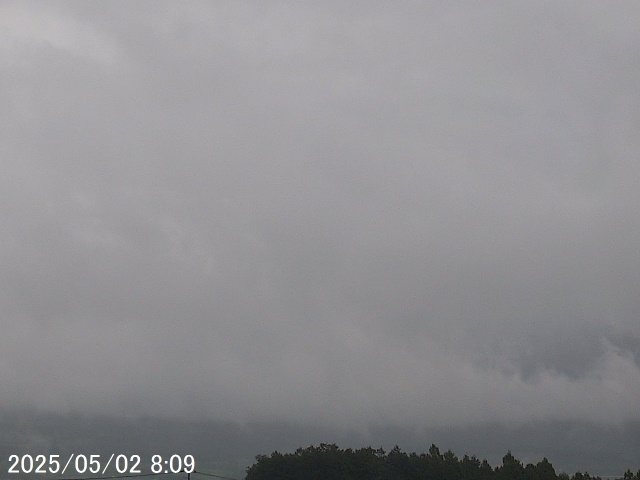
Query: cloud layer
point(424, 215)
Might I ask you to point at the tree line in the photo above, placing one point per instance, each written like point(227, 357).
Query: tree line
point(329, 462)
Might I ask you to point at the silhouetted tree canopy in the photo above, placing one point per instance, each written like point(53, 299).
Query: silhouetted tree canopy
point(329, 462)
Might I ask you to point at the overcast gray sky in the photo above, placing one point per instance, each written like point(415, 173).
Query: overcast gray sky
point(336, 213)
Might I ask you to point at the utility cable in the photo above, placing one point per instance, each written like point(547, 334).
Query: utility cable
point(135, 475)
point(213, 475)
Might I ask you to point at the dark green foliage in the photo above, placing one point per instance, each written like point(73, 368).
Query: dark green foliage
point(328, 462)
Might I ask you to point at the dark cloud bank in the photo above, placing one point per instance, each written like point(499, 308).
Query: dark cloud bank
point(421, 217)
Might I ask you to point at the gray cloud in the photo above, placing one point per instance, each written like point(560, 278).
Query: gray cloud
point(325, 214)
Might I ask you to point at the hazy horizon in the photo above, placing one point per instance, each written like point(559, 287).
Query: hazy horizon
point(229, 448)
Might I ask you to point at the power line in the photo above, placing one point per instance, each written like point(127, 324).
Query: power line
point(112, 477)
point(118, 476)
point(213, 475)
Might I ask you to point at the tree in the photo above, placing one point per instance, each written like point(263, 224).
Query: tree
point(545, 471)
point(511, 468)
